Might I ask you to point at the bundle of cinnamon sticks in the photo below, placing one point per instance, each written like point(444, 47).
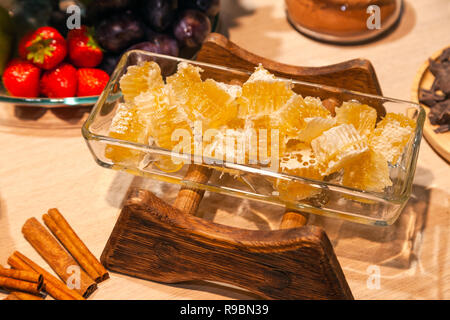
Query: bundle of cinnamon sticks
point(65, 253)
point(21, 280)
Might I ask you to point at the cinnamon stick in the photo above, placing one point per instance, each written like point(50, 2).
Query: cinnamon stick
point(71, 248)
point(76, 247)
point(15, 284)
point(52, 285)
point(58, 259)
point(23, 275)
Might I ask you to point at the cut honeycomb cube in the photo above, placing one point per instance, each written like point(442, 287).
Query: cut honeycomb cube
point(338, 146)
point(263, 94)
point(140, 78)
point(370, 173)
point(315, 127)
point(301, 163)
point(391, 135)
point(361, 116)
point(128, 124)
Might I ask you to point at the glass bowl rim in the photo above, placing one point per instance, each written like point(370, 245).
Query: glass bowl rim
point(49, 102)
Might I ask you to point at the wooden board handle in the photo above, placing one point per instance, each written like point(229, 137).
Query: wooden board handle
point(154, 241)
point(357, 74)
point(293, 219)
point(189, 198)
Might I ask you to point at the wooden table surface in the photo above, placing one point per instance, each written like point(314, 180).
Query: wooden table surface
point(42, 169)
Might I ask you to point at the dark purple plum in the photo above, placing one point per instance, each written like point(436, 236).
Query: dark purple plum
point(99, 9)
point(159, 14)
point(58, 20)
point(210, 7)
point(159, 43)
point(191, 28)
point(109, 62)
point(119, 32)
point(100, 6)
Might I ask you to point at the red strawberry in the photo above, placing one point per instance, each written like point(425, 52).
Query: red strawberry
point(21, 78)
point(60, 82)
point(23, 45)
point(84, 51)
point(45, 47)
point(91, 81)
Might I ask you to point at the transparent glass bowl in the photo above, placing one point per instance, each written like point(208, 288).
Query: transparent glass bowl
point(335, 200)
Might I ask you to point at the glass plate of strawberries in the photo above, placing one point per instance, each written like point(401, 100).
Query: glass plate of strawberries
point(53, 70)
point(49, 73)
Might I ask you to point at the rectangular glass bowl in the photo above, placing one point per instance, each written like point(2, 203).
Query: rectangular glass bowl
point(335, 200)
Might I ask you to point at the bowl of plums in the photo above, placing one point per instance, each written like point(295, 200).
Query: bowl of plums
point(56, 56)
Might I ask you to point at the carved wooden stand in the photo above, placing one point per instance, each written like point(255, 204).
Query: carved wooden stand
point(156, 241)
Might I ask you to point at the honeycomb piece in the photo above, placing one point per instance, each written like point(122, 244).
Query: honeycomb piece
point(315, 127)
point(163, 124)
point(236, 123)
point(225, 145)
point(213, 103)
point(314, 108)
point(170, 129)
point(263, 94)
point(361, 116)
point(128, 125)
point(209, 101)
point(263, 138)
point(183, 81)
point(140, 78)
point(391, 135)
point(290, 118)
point(397, 118)
point(301, 163)
point(163, 118)
point(338, 146)
point(369, 173)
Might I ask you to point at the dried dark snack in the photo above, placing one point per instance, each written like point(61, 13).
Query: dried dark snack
point(445, 55)
point(429, 97)
point(441, 72)
point(438, 97)
point(440, 113)
point(443, 128)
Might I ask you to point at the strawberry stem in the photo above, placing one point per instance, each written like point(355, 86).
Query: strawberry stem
point(39, 49)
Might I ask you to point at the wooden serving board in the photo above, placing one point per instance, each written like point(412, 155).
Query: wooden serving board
point(157, 241)
point(424, 80)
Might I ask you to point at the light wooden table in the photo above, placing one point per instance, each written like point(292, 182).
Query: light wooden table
point(44, 169)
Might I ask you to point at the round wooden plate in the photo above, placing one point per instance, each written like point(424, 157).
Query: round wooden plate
point(439, 141)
